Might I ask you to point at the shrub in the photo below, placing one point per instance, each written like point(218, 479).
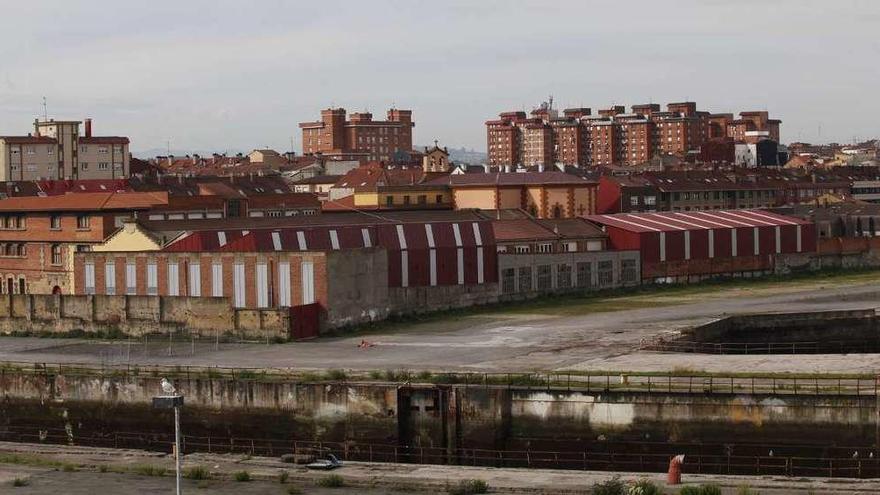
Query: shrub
point(644, 487)
point(611, 487)
point(242, 476)
point(149, 470)
point(469, 487)
point(701, 490)
point(746, 490)
point(68, 467)
point(294, 490)
point(20, 482)
point(197, 473)
point(331, 481)
point(337, 375)
point(282, 478)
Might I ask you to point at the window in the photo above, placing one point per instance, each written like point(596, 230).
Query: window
point(307, 268)
point(130, 279)
point(439, 198)
point(606, 273)
point(89, 272)
point(55, 222)
point(584, 274)
point(110, 278)
point(389, 200)
point(545, 247)
point(628, 271)
point(152, 279)
point(423, 199)
point(82, 221)
point(508, 280)
point(216, 279)
point(262, 281)
point(103, 166)
point(284, 284)
point(173, 279)
point(525, 279)
point(195, 279)
point(634, 201)
point(522, 249)
point(406, 199)
point(563, 276)
point(56, 254)
point(544, 277)
point(84, 166)
point(238, 288)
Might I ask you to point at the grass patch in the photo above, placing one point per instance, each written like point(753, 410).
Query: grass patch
point(197, 473)
point(283, 477)
point(331, 481)
point(242, 476)
point(468, 487)
point(148, 470)
point(17, 482)
point(336, 375)
point(708, 489)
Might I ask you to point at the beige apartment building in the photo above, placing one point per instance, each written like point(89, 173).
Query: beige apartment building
point(56, 150)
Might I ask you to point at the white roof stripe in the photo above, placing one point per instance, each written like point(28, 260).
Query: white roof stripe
point(429, 232)
point(631, 223)
point(713, 222)
point(746, 217)
point(777, 220)
point(741, 224)
point(647, 219)
point(221, 238)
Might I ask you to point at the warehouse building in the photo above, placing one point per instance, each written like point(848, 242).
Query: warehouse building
point(354, 273)
point(696, 245)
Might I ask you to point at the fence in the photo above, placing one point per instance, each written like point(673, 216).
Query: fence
point(653, 457)
point(675, 382)
point(804, 347)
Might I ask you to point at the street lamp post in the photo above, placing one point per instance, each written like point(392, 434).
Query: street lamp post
point(172, 400)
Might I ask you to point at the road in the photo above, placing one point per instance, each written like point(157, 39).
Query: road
point(503, 342)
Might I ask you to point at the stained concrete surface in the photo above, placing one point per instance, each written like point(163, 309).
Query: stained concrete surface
point(371, 479)
point(514, 341)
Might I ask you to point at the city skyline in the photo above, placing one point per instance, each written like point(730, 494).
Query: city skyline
point(166, 70)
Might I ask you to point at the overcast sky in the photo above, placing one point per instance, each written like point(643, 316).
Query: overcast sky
point(215, 75)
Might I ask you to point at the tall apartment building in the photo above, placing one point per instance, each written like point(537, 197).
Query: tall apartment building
point(614, 137)
point(359, 137)
point(56, 150)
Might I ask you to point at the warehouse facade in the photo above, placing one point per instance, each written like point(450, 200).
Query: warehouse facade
point(696, 245)
point(354, 273)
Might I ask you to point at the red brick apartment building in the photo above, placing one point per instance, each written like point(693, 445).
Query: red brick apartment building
point(613, 137)
point(359, 137)
point(40, 233)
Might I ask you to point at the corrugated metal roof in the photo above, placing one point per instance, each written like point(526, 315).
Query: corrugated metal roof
point(329, 238)
point(694, 220)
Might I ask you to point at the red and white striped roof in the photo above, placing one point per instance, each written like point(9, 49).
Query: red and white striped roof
point(331, 238)
point(694, 220)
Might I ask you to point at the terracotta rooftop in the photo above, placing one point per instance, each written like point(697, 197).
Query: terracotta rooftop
point(512, 179)
point(85, 202)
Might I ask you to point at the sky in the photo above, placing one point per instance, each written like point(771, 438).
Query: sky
point(236, 75)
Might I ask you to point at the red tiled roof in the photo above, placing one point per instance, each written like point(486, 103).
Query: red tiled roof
point(28, 139)
point(85, 202)
point(58, 187)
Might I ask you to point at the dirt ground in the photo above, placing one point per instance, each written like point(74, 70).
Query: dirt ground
point(569, 334)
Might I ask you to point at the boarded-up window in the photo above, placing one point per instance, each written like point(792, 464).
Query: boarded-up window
point(89, 269)
point(628, 271)
point(284, 284)
point(110, 278)
point(584, 274)
point(544, 277)
point(525, 279)
point(195, 279)
point(130, 279)
point(563, 276)
point(217, 280)
point(508, 280)
point(308, 282)
point(606, 273)
point(238, 287)
point(262, 277)
point(152, 279)
point(173, 279)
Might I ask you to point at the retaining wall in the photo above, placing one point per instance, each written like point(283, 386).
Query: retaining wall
point(138, 315)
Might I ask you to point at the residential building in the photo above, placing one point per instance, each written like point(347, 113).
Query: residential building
point(377, 187)
point(359, 137)
point(550, 194)
point(614, 137)
point(56, 150)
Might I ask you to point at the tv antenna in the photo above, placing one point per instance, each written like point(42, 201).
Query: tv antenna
point(45, 110)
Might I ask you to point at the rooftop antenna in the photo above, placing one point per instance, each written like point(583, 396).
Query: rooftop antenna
point(45, 110)
point(168, 146)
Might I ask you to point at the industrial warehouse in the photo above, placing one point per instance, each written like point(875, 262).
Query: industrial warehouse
point(356, 268)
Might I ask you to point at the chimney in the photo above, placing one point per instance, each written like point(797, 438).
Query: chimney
point(541, 167)
point(88, 123)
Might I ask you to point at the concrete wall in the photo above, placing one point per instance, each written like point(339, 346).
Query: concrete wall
point(138, 315)
point(453, 416)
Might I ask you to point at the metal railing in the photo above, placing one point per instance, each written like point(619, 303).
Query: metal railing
point(801, 347)
point(696, 461)
point(598, 381)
